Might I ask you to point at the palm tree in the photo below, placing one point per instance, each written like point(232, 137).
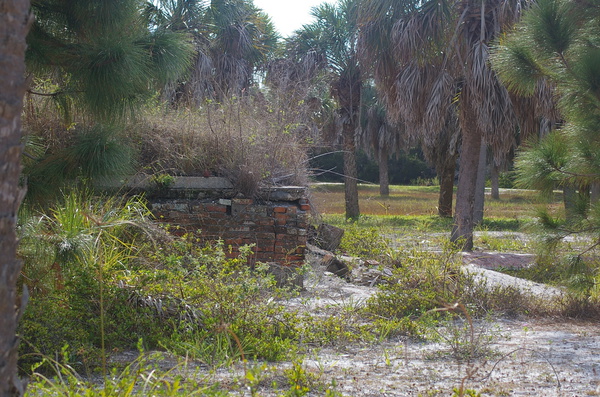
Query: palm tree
point(441, 150)
point(181, 16)
point(330, 42)
point(437, 55)
point(233, 39)
point(380, 137)
point(14, 24)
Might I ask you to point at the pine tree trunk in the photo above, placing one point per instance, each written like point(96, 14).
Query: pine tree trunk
point(478, 206)
point(14, 24)
point(495, 181)
point(462, 231)
point(350, 172)
point(384, 176)
point(446, 177)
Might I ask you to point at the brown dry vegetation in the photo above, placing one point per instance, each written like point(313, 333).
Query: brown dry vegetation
point(241, 140)
point(245, 140)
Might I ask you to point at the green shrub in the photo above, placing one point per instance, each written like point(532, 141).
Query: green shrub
point(221, 308)
point(366, 242)
point(73, 256)
point(422, 282)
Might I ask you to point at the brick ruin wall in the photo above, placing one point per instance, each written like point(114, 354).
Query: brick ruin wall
point(277, 230)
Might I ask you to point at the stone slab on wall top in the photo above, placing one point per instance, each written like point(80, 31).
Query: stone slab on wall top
point(199, 187)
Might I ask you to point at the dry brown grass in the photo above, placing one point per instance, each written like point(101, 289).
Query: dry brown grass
point(244, 140)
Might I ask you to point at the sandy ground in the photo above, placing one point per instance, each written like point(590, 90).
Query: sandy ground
point(528, 359)
point(522, 357)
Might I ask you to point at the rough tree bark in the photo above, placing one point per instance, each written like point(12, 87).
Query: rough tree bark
point(384, 174)
point(350, 171)
point(14, 24)
point(495, 180)
point(446, 177)
point(462, 230)
point(478, 206)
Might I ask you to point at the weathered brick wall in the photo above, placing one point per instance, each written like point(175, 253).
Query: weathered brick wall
point(277, 229)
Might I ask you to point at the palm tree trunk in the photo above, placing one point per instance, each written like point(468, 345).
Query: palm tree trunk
point(350, 172)
point(495, 181)
point(14, 24)
point(462, 231)
point(595, 193)
point(570, 201)
point(384, 175)
point(480, 188)
point(446, 176)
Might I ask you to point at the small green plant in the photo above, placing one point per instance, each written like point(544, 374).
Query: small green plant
point(459, 392)
point(466, 340)
point(138, 378)
point(302, 382)
point(421, 283)
point(72, 256)
point(298, 379)
point(162, 182)
point(254, 375)
point(500, 243)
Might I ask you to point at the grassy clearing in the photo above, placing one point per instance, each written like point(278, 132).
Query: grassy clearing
point(406, 220)
point(409, 215)
point(409, 201)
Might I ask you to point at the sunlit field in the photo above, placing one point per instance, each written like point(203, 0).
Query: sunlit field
point(328, 199)
point(409, 215)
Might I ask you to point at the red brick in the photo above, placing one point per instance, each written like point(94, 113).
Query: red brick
point(279, 230)
point(281, 250)
point(281, 210)
point(234, 241)
point(216, 208)
point(305, 207)
point(286, 237)
point(294, 258)
point(264, 236)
